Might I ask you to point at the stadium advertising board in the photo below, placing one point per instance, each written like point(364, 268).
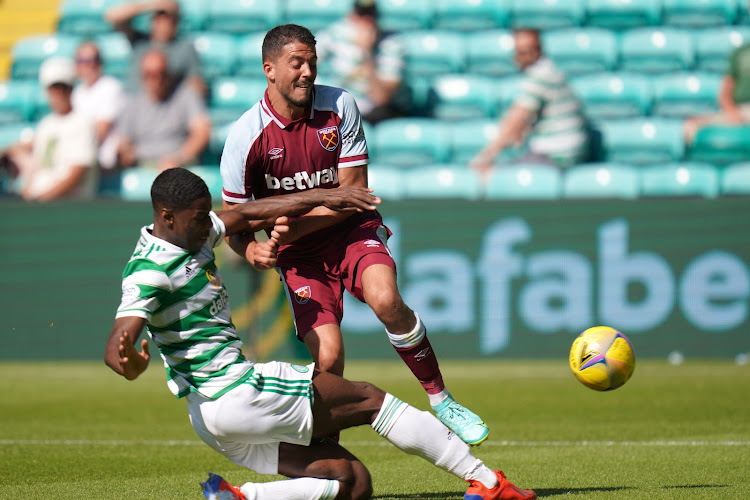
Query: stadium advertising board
point(495, 279)
point(501, 279)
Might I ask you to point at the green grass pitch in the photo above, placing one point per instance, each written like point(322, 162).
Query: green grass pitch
point(75, 430)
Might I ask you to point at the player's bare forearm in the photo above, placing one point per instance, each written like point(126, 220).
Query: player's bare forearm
point(120, 353)
point(258, 214)
point(323, 217)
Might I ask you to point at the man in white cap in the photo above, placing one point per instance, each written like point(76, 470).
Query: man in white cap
point(61, 159)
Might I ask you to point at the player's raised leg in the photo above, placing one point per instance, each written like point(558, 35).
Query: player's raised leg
point(408, 336)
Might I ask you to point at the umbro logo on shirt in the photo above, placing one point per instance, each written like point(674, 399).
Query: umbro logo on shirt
point(276, 153)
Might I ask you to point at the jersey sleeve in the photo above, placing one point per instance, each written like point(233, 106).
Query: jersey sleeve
point(353, 142)
point(234, 159)
point(218, 230)
point(143, 286)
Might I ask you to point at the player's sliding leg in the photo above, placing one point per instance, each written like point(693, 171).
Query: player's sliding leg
point(419, 433)
point(408, 336)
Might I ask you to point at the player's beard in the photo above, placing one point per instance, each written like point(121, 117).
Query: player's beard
point(300, 103)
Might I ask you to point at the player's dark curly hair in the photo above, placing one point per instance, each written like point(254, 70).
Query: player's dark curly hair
point(177, 188)
point(279, 36)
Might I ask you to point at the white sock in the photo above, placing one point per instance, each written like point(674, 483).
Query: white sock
point(436, 399)
point(420, 433)
point(304, 488)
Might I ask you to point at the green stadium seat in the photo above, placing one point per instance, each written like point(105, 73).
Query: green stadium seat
point(11, 133)
point(135, 183)
point(217, 53)
point(433, 52)
point(721, 145)
point(469, 137)
point(463, 97)
point(531, 181)
point(643, 141)
point(29, 52)
point(219, 134)
point(316, 15)
point(621, 15)
point(680, 179)
point(579, 51)
point(509, 89)
point(193, 15)
point(470, 15)
point(407, 142)
point(241, 17)
point(735, 179)
point(249, 57)
point(656, 50)
point(84, 17)
point(386, 182)
point(443, 182)
point(685, 94)
point(699, 13)
point(400, 15)
point(608, 96)
point(713, 46)
point(17, 102)
point(547, 14)
point(211, 175)
point(601, 180)
point(116, 51)
point(232, 96)
point(490, 52)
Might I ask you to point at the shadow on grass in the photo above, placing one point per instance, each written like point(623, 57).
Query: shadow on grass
point(690, 486)
point(541, 492)
point(548, 492)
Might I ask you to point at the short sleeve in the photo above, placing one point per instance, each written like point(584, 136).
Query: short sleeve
point(142, 290)
point(234, 158)
point(218, 230)
point(353, 142)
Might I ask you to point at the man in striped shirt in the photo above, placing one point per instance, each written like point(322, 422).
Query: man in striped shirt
point(546, 113)
point(263, 416)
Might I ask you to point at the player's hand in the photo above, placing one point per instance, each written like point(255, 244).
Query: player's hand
point(283, 232)
point(263, 254)
point(132, 362)
point(350, 198)
point(483, 164)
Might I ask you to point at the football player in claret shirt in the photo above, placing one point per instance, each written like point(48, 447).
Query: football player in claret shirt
point(301, 136)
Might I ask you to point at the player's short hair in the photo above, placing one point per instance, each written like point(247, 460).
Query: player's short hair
point(278, 37)
point(177, 188)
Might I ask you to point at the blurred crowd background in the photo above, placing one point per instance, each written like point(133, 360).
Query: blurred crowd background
point(662, 88)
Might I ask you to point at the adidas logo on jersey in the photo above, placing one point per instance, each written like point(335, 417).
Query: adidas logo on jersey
point(372, 243)
point(303, 180)
point(189, 272)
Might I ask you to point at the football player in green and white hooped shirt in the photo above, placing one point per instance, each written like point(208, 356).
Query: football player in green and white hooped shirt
point(263, 416)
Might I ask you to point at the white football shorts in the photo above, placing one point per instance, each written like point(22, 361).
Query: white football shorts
point(247, 423)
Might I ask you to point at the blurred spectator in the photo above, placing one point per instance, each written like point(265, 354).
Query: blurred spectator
point(734, 96)
point(546, 112)
point(165, 125)
point(365, 61)
point(183, 59)
point(101, 98)
point(60, 160)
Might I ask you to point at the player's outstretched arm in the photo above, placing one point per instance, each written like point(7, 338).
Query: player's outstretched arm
point(121, 354)
point(340, 199)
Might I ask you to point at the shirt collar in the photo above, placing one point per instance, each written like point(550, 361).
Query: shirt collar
point(280, 120)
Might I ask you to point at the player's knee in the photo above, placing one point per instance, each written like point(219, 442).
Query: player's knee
point(355, 482)
point(386, 303)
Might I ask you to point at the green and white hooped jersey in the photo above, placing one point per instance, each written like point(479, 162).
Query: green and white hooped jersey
point(182, 297)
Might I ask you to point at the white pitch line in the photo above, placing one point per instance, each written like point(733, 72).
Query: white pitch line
point(123, 442)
